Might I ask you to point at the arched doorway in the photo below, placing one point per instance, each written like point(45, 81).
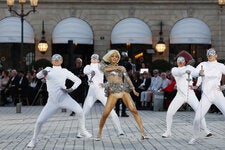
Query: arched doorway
point(192, 35)
point(10, 42)
point(135, 37)
point(72, 38)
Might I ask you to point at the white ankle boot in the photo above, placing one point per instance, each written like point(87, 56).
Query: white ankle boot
point(85, 133)
point(166, 134)
point(32, 143)
point(79, 135)
point(192, 141)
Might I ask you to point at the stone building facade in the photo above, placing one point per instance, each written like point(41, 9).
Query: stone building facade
point(103, 15)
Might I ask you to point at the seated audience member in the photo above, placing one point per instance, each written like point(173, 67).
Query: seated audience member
point(146, 81)
point(12, 86)
point(4, 81)
point(169, 92)
point(165, 80)
point(156, 83)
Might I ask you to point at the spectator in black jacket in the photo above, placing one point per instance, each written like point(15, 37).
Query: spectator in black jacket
point(12, 85)
point(23, 87)
point(81, 92)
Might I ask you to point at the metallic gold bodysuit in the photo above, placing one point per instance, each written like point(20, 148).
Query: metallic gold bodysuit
point(117, 81)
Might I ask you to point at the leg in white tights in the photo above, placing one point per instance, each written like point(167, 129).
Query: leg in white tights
point(173, 107)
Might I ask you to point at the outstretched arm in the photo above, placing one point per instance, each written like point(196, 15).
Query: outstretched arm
point(87, 70)
point(43, 73)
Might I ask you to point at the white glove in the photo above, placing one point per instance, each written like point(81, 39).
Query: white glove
point(67, 90)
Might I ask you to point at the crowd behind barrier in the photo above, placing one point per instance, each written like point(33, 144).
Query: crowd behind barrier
point(18, 86)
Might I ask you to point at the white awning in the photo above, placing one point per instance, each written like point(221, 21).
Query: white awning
point(190, 31)
point(72, 29)
point(131, 30)
point(10, 31)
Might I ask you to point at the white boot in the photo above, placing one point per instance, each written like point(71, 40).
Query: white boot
point(32, 143)
point(192, 141)
point(85, 133)
point(82, 129)
point(166, 134)
point(120, 132)
point(208, 133)
point(79, 135)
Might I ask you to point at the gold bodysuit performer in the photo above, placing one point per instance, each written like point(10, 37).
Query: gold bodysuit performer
point(118, 86)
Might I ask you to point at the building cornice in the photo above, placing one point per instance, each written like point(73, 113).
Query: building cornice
point(130, 1)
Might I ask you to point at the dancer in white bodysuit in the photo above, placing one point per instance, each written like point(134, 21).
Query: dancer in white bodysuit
point(182, 75)
point(210, 73)
point(58, 96)
point(96, 91)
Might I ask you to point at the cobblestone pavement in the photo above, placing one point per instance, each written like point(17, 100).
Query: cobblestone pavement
point(59, 133)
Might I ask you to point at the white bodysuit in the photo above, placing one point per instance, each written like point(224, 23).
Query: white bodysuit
point(184, 95)
point(211, 94)
point(55, 81)
point(96, 92)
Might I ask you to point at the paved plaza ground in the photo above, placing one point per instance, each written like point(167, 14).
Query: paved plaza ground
point(59, 133)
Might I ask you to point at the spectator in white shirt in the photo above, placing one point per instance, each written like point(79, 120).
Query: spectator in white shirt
point(156, 83)
point(165, 80)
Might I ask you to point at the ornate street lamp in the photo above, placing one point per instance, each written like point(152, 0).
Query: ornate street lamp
point(128, 45)
point(160, 46)
point(221, 3)
point(43, 45)
point(33, 4)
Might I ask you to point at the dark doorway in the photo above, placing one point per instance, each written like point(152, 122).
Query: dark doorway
point(10, 55)
point(83, 51)
point(137, 52)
